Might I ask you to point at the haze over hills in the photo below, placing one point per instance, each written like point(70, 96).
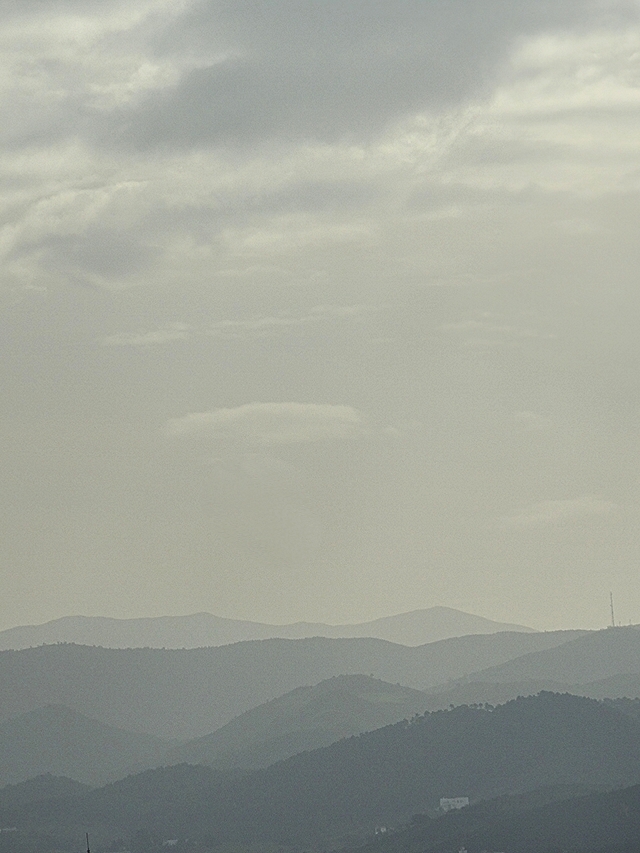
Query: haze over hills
point(492, 693)
point(379, 778)
point(591, 657)
point(600, 665)
point(304, 719)
point(204, 629)
point(188, 693)
point(38, 788)
point(55, 740)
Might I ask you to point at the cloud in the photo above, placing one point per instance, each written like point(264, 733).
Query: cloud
point(558, 511)
point(166, 334)
point(266, 326)
point(265, 424)
point(532, 421)
point(303, 70)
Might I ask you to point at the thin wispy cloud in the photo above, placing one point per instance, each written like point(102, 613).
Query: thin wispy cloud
point(275, 423)
point(560, 511)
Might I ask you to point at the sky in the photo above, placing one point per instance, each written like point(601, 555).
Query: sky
point(318, 310)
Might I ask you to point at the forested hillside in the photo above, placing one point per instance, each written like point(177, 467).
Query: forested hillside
point(381, 778)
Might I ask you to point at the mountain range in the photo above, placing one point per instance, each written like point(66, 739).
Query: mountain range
point(345, 790)
point(186, 693)
point(57, 741)
point(204, 629)
point(305, 718)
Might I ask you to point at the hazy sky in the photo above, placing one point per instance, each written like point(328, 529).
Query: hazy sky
point(320, 310)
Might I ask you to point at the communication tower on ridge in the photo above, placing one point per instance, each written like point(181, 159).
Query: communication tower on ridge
point(613, 618)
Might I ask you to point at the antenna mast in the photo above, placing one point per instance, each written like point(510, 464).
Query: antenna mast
point(87, 837)
point(613, 618)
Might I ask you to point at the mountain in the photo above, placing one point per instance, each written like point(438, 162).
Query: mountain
point(381, 778)
point(187, 693)
point(45, 787)
point(614, 689)
point(303, 719)
point(55, 740)
point(612, 656)
point(594, 656)
point(204, 629)
point(607, 822)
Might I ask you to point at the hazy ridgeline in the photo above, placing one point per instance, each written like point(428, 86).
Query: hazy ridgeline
point(318, 741)
point(190, 692)
point(205, 629)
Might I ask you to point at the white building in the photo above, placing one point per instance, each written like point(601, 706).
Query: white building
point(449, 803)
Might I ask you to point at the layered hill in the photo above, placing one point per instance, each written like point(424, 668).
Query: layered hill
point(600, 665)
point(57, 741)
point(305, 718)
point(45, 787)
point(187, 693)
point(592, 657)
point(204, 629)
point(380, 778)
point(595, 823)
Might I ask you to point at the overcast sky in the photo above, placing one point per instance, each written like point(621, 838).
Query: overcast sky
point(320, 310)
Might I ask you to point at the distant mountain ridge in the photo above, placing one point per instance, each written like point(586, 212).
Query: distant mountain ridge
point(592, 657)
point(204, 629)
point(188, 693)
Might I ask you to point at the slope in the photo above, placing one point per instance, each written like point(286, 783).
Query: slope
point(379, 778)
point(592, 657)
point(595, 822)
point(45, 787)
point(55, 740)
point(186, 693)
point(204, 629)
point(306, 718)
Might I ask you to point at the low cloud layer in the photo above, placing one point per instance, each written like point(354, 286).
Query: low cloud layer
point(560, 511)
point(275, 423)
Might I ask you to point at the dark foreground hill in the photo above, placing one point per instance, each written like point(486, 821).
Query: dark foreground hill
point(304, 719)
point(187, 693)
point(55, 740)
point(381, 778)
point(594, 823)
point(45, 787)
point(205, 629)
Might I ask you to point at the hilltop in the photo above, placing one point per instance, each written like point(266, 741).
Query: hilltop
point(305, 718)
point(204, 629)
